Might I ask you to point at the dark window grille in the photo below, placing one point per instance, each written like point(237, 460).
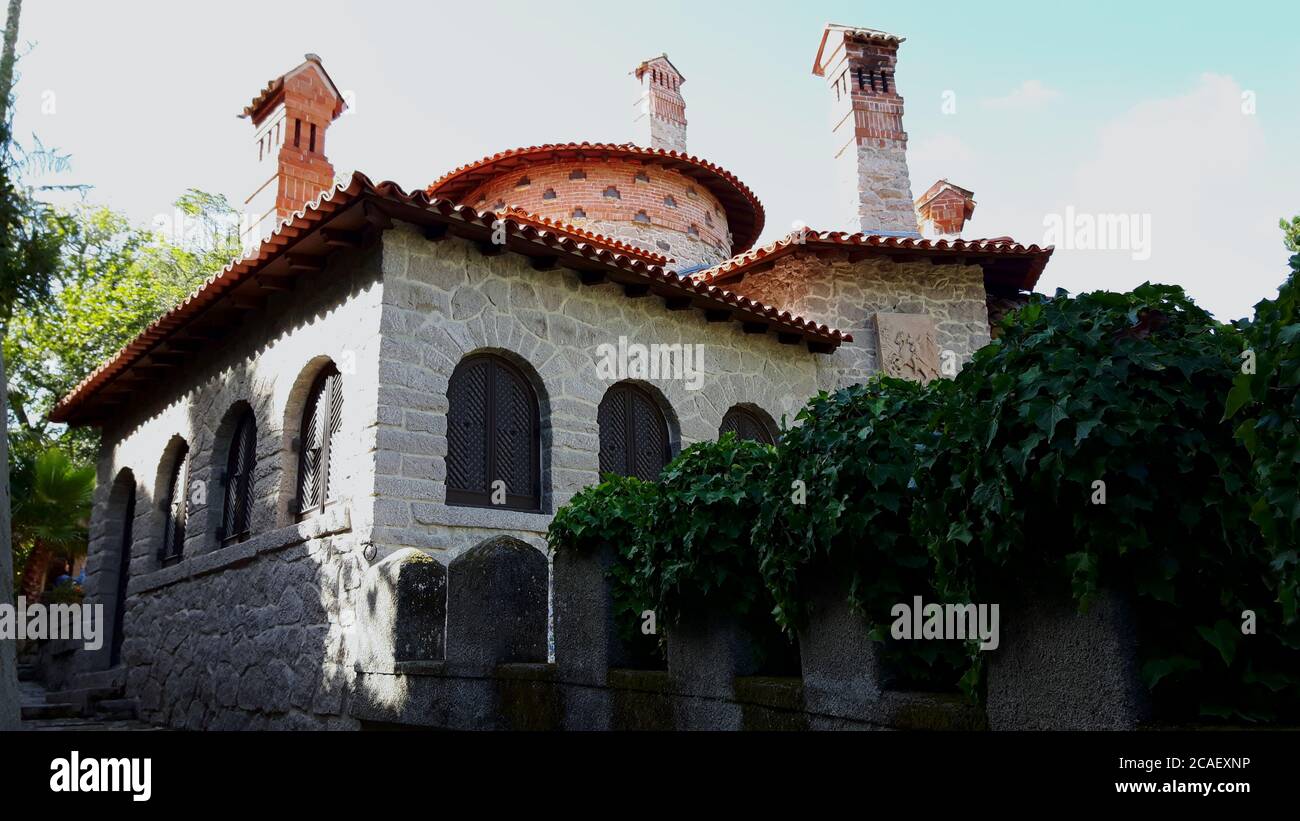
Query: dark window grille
point(493, 433)
point(236, 523)
point(322, 416)
point(176, 507)
point(633, 433)
point(746, 425)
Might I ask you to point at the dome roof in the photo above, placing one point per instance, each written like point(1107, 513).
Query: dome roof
point(744, 212)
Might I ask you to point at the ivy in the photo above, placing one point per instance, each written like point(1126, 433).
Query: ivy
point(1264, 403)
point(1085, 450)
point(840, 502)
point(613, 514)
point(698, 546)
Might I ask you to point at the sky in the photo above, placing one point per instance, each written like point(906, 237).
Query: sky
point(1175, 123)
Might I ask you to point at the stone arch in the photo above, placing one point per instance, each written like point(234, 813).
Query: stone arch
point(171, 471)
point(215, 489)
point(544, 418)
point(745, 419)
point(125, 513)
point(291, 430)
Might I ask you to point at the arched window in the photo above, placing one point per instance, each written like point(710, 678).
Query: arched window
point(237, 517)
point(321, 418)
point(634, 437)
point(493, 435)
point(747, 424)
point(175, 508)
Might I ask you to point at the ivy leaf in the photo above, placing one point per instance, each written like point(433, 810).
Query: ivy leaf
point(1238, 396)
point(1223, 636)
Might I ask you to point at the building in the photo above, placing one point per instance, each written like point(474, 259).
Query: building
point(433, 369)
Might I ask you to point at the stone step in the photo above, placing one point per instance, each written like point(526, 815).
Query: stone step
point(84, 698)
point(118, 709)
point(115, 677)
point(44, 712)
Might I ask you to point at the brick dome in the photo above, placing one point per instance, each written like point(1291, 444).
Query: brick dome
point(663, 201)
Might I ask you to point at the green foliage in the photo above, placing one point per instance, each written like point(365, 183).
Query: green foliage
point(29, 229)
point(854, 458)
point(1125, 389)
point(697, 544)
point(614, 514)
point(52, 497)
point(1265, 405)
point(67, 593)
point(840, 495)
point(111, 281)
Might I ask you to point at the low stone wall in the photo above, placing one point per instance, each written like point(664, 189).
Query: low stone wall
point(492, 674)
point(250, 636)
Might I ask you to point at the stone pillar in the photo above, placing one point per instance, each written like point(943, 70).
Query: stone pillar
point(841, 664)
point(496, 614)
point(1058, 669)
point(586, 637)
point(706, 652)
point(402, 612)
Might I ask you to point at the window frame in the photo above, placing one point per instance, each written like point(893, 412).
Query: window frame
point(320, 388)
point(238, 488)
point(627, 392)
point(744, 414)
point(176, 513)
point(531, 502)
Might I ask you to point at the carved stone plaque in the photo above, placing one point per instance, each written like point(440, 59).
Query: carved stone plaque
point(908, 347)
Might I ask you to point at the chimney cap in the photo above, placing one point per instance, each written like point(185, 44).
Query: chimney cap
point(850, 32)
point(645, 66)
point(941, 186)
point(272, 91)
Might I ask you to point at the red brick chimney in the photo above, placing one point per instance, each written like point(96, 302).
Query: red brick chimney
point(867, 121)
point(943, 209)
point(290, 117)
point(661, 111)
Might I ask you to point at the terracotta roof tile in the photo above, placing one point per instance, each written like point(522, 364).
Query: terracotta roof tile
point(1010, 263)
point(635, 265)
point(745, 215)
point(522, 216)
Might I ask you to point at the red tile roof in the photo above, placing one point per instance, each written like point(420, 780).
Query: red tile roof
point(745, 215)
point(538, 221)
point(1007, 264)
point(358, 206)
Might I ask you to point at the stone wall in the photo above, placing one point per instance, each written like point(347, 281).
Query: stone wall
point(445, 300)
point(1056, 668)
point(826, 286)
point(263, 633)
point(210, 640)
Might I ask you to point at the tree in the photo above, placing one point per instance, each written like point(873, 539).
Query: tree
point(111, 281)
point(51, 511)
point(24, 252)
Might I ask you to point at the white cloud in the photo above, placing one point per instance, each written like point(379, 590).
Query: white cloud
point(1029, 94)
point(1200, 169)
